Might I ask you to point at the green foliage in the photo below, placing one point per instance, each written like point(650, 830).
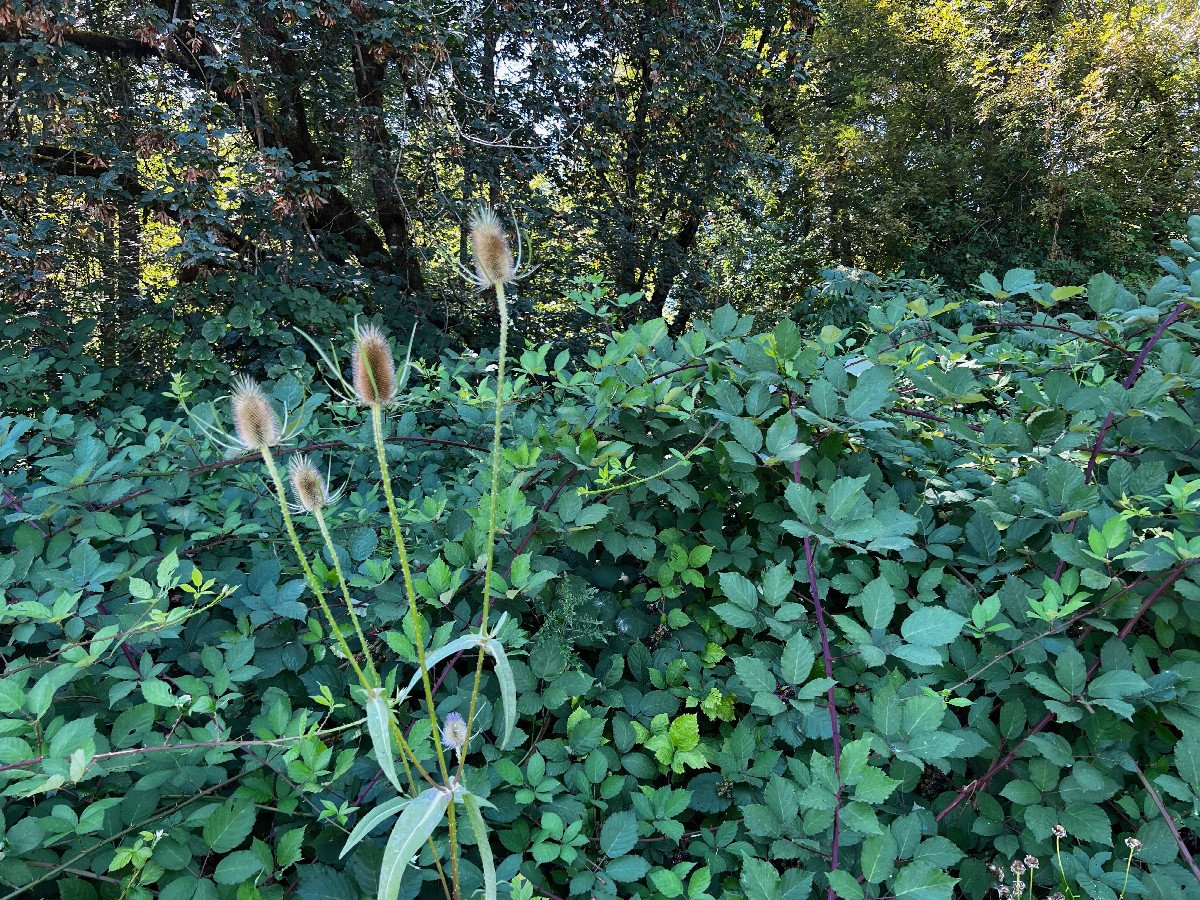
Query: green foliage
point(945, 139)
point(926, 594)
point(193, 179)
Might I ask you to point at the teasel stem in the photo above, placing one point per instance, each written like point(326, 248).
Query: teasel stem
point(269, 459)
point(502, 305)
point(1061, 871)
point(311, 578)
point(1128, 865)
point(385, 476)
point(319, 515)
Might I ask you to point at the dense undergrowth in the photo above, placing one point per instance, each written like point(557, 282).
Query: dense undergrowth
point(791, 614)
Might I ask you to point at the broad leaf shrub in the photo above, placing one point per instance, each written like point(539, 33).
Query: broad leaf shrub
point(855, 613)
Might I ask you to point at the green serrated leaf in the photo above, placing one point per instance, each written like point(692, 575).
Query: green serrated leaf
point(289, 848)
point(755, 674)
point(1087, 822)
point(878, 602)
point(870, 393)
point(932, 627)
point(740, 590)
point(228, 826)
point(239, 867)
point(685, 732)
point(843, 495)
point(798, 658)
point(845, 885)
point(759, 879)
point(879, 855)
point(919, 881)
point(618, 835)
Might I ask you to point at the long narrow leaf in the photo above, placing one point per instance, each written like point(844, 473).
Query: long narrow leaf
point(407, 364)
point(508, 688)
point(330, 364)
point(379, 727)
point(416, 824)
point(373, 818)
point(485, 848)
point(463, 643)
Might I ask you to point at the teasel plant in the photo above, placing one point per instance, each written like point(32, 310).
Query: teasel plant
point(375, 382)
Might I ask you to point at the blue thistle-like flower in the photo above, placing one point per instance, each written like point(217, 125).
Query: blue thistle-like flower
point(454, 732)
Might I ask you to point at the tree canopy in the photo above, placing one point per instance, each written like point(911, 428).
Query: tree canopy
point(167, 165)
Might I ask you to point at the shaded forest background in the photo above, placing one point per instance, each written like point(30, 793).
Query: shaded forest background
point(192, 177)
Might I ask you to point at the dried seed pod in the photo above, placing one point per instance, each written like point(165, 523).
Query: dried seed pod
point(372, 366)
point(489, 244)
point(254, 419)
point(307, 484)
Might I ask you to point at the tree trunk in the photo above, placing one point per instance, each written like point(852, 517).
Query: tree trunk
point(628, 256)
point(672, 264)
point(393, 218)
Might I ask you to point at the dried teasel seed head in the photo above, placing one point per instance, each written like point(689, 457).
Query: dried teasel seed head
point(1058, 831)
point(307, 484)
point(1133, 844)
point(254, 419)
point(372, 366)
point(489, 244)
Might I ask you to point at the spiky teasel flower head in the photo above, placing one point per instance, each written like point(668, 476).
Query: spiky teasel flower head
point(255, 425)
point(308, 486)
point(489, 245)
point(254, 420)
point(494, 262)
point(372, 367)
point(454, 732)
point(373, 375)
